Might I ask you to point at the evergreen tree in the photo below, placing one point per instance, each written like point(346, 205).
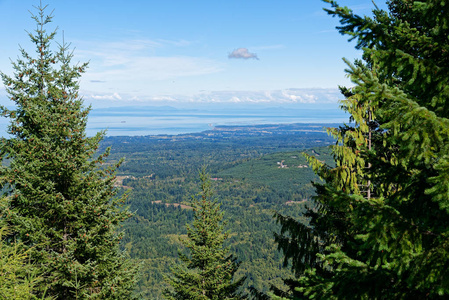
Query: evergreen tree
point(208, 272)
point(380, 228)
point(63, 203)
point(18, 277)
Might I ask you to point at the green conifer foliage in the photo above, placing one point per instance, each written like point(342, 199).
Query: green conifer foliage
point(63, 203)
point(18, 277)
point(208, 271)
point(380, 229)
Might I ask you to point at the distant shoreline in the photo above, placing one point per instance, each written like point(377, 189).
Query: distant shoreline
point(250, 129)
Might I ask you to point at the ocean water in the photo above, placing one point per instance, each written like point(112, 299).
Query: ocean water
point(139, 121)
point(171, 122)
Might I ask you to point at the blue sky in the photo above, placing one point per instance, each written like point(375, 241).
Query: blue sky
point(178, 52)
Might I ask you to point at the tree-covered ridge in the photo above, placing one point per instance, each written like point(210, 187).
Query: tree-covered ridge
point(61, 204)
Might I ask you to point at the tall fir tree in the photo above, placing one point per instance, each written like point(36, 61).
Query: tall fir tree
point(62, 202)
point(207, 272)
point(380, 228)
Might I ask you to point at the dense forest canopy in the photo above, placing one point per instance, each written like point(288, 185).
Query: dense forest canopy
point(249, 184)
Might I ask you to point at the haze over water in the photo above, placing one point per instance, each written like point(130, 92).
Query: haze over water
point(132, 121)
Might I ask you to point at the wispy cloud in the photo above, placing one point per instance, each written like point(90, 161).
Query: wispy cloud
point(133, 64)
point(275, 96)
point(286, 96)
point(242, 53)
point(139, 69)
point(177, 43)
point(114, 96)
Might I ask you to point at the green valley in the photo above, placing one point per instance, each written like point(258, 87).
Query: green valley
point(254, 171)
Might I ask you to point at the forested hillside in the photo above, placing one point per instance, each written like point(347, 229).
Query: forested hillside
point(252, 175)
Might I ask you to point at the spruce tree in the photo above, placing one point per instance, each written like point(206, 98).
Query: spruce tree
point(207, 272)
point(62, 202)
point(380, 227)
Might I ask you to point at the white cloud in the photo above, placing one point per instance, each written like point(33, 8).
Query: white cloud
point(285, 96)
point(317, 95)
point(164, 98)
point(299, 96)
point(242, 53)
point(114, 96)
